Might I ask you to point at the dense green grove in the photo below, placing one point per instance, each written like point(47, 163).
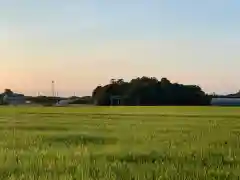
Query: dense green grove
point(149, 91)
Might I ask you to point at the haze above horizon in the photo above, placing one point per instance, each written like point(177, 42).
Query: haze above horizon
point(81, 44)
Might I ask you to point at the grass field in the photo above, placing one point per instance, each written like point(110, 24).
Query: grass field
point(122, 143)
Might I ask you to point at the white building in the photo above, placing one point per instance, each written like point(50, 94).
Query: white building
point(225, 101)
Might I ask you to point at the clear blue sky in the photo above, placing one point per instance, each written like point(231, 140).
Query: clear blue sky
point(81, 44)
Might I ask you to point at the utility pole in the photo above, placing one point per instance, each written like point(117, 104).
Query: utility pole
point(53, 88)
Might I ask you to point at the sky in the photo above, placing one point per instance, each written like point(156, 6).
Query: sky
point(84, 43)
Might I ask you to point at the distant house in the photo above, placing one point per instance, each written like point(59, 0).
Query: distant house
point(225, 101)
point(14, 99)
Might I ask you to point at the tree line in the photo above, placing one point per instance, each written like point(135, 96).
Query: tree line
point(145, 91)
point(149, 91)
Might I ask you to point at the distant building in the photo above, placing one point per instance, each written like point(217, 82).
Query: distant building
point(63, 103)
point(66, 102)
point(225, 101)
point(14, 99)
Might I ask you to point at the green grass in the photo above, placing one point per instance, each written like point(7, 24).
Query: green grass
point(119, 143)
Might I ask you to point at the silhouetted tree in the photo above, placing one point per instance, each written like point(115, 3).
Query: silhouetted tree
point(8, 92)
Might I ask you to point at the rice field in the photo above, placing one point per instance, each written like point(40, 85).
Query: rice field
point(122, 143)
